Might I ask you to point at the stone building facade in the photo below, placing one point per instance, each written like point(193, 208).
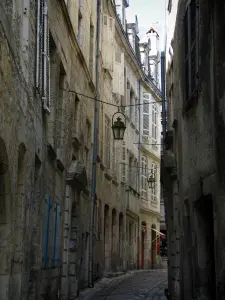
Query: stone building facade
point(47, 87)
point(193, 170)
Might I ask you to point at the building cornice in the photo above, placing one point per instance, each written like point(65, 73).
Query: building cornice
point(123, 38)
point(75, 44)
point(148, 152)
point(131, 214)
point(150, 212)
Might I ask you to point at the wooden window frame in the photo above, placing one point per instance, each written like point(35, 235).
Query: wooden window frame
point(191, 76)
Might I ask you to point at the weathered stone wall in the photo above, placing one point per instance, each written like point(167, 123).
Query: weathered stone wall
point(38, 151)
point(195, 204)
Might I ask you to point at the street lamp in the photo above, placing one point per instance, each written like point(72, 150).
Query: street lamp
point(151, 180)
point(118, 125)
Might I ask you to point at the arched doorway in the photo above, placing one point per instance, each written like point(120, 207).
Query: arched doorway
point(106, 237)
point(143, 238)
point(114, 241)
point(154, 246)
point(121, 239)
point(5, 222)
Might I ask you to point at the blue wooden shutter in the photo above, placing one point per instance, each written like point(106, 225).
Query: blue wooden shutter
point(56, 257)
point(46, 226)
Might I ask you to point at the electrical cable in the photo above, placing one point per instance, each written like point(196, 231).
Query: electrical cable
point(104, 102)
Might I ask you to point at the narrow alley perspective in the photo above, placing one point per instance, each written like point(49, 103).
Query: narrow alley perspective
point(136, 285)
point(112, 143)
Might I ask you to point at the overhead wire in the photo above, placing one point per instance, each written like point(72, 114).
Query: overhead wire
point(112, 104)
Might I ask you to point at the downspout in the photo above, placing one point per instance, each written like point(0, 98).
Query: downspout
point(95, 148)
point(139, 165)
point(163, 88)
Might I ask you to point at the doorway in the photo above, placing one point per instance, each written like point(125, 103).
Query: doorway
point(143, 238)
point(153, 248)
point(205, 247)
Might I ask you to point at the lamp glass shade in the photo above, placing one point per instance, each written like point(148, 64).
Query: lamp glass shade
point(151, 181)
point(118, 128)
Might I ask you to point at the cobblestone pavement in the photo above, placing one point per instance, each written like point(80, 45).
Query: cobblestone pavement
point(137, 285)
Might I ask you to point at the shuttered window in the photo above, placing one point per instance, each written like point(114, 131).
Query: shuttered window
point(118, 73)
point(108, 42)
point(191, 54)
point(43, 54)
point(46, 228)
point(107, 142)
point(57, 235)
point(154, 124)
point(154, 188)
point(144, 177)
point(146, 115)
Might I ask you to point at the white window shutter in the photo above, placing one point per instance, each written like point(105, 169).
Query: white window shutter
point(118, 73)
point(39, 46)
point(108, 41)
point(146, 116)
point(46, 61)
point(121, 76)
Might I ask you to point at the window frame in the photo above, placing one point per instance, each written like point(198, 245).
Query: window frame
point(191, 51)
point(144, 168)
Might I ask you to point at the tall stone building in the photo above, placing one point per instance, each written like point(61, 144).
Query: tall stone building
point(47, 91)
point(193, 169)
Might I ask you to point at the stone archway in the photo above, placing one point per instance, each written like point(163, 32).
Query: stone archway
point(114, 241)
point(5, 221)
point(143, 242)
point(153, 246)
point(107, 239)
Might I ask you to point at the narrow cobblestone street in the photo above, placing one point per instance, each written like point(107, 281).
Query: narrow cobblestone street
point(140, 285)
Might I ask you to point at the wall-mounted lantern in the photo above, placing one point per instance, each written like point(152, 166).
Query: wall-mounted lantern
point(151, 180)
point(118, 125)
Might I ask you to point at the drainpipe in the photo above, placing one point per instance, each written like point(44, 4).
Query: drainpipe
point(139, 164)
point(95, 149)
point(163, 87)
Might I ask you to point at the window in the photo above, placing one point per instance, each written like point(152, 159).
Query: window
point(45, 235)
point(144, 177)
point(190, 36)
point(57, 235)
point(87, 146)
point(131, 105)
point(107, 142)
point(136, 112)
point(154, 123)
point(130, 171)
point(42, 54)
point(91, 50)
point(146, 118)
point(76, 115)
point(154, 189)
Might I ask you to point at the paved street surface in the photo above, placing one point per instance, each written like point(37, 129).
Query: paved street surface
point(137, 285)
